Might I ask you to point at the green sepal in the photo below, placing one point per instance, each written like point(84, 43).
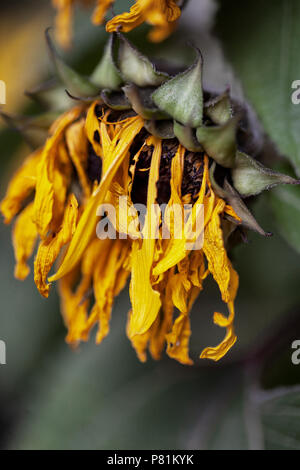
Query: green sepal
point(160, 129)
point(251, 178)
point(187, 138)
point(50, 95)
point(76, 84)
point(136, 68)
point(219, 109)
point(116, 100)
point(33, 129)
point(106, 74)
point(140, 100)
point(219, 142)
point(229, 194)
point(182, 96)
point(240, 208)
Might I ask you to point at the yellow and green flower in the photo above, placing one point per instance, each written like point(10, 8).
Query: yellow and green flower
point(130, 130)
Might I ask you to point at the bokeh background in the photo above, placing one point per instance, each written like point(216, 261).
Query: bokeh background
point(101, 397)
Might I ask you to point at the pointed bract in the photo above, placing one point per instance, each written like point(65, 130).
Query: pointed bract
point(182, 96)
point(136, 68)
point(106, 74)
point(75, 83)
point(187, 137)
point(251, 178)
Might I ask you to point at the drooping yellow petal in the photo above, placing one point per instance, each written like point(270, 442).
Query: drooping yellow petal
point(177, 248)
point(161, 32)
point(102, 6)
point(230, 211)
point(86, 227)
point(226, 277)
point(78, 150)
point(159, 13)
point(155, 337)
point(109, 278)
point(45, 194)
point(92, 128)
point(163, 324)
point(49, 248)
point(24, 239)
point(62, 172)
point(178, 340)
point(20, 187)
point(144, 299)
point(127, 21)
point(75, 303)
point(215, 252)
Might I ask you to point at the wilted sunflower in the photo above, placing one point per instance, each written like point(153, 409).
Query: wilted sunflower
point(162, 14)
point(141, 134)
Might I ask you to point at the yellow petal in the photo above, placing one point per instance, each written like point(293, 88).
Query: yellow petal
point(108, 279)
point(144, 299)
point(63, 21)
point(216, 353)
point(177, 248)
point(49, 248)
point(87, 223)
point(178, 340)
point(75, 303)
point(156, 12)
point(218, 263)
point(24, 239)
point(127, 21)
point(230, 211)
point(92, 128)
point(45, 194)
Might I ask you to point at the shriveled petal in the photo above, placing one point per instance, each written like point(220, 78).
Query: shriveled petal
point(127, 21)
point(218, 263)
point(75, 302)
point(161, 32)
point(92, 128)
point(20, 187)
point(177, 248)
point(87, 223)
point(178, 340)
point(156, 12)
point(216, 353)
point(49, 248)
point(78, 150)
point(45, 193)
point(145, 300)
point(24, 239)
point(63, 21)
point(108, 280)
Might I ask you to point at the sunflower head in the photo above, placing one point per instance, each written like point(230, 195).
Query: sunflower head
point(130, 137)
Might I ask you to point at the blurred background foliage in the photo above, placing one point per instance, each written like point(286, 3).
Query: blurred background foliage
point(101, 397)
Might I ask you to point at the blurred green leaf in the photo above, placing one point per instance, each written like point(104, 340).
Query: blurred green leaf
point(285, 202)
point(281, 417)
point(262, 41)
